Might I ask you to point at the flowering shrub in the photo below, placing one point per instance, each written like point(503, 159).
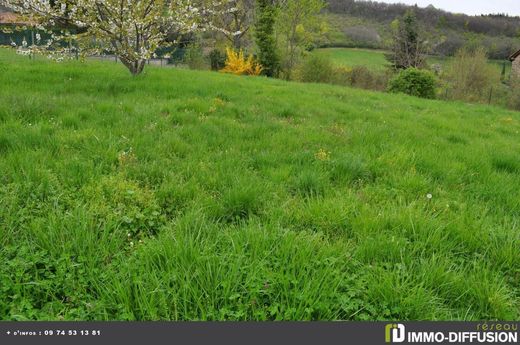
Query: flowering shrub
point(237, 63)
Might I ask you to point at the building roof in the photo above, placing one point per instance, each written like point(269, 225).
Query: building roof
point(8, 18)
point(514, 56)
point(12, 18)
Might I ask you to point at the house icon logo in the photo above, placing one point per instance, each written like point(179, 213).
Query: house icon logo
point(395, 333)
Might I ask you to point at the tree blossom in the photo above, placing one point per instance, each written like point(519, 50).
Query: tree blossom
point(132, 29)
point(235, 21)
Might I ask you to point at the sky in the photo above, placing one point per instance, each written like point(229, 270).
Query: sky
point(471, 7)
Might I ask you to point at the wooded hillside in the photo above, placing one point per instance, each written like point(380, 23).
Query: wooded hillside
point(366, 23)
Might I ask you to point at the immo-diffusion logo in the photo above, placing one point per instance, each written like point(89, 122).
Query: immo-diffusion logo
point(483, 334)
point(395, 333)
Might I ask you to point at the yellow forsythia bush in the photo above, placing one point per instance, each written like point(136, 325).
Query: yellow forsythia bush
point(237, 63)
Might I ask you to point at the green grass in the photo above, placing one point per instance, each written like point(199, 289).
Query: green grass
point(185, 195)
point(375, 59)
point(350, 57)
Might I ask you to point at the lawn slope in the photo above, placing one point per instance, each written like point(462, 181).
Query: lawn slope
point(189, 195)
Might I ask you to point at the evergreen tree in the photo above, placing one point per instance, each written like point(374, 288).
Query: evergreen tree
point(408, 49)
point(264, 36)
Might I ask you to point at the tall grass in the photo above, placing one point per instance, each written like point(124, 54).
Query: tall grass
point(189, 195)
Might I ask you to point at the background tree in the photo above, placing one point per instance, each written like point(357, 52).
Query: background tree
point(408, 49)
point(297, 22)
point(266, 11)
point(235, 22)
point(133, 30)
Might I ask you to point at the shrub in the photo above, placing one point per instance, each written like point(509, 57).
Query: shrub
point(194, 57)
point(342, 76)
point(414, 82)
point(470, 77)
point(237, 63)
point(362, 77)
point(317, 69)
point(514, 98)
point(217, 59)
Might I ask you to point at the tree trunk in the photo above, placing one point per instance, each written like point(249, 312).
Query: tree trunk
point(135, 67)
point(237, 42)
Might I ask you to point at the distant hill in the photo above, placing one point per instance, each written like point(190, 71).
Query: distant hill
point(367, 24)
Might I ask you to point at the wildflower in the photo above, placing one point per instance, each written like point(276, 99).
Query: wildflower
point(219, 101)
point(126, 157)
point(429, 196)
point(322, 155)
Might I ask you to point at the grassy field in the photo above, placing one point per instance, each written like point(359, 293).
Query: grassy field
point(371, 58)
point(375, 59)
point(186, 195)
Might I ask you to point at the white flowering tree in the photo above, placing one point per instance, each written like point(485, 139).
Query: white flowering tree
point(236, 21)
point(133, 29)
